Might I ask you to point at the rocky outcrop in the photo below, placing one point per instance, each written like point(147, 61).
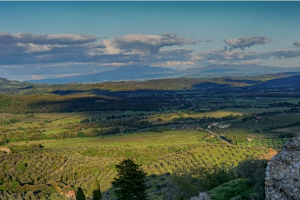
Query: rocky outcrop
point(283, 173)
point(201, 196)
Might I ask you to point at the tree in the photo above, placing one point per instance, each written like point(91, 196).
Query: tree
point(97, 195)
point(80, 195)
point(130, 182)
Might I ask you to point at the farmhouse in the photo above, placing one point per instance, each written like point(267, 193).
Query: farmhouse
point(70, 194)
point(199, 128)
point(213, 124)
point(4, 149)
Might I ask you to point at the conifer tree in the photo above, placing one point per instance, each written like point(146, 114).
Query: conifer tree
point(80, 195)
point(130, 182)
point(97, 195)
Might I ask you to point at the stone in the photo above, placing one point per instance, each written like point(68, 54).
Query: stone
point(201, 196)
point(283, 172)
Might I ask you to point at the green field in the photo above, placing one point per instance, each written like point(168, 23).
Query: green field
point(136, 140)
point(159, 153)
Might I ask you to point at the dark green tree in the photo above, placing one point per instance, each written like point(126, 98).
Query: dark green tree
point(97, 195)
point(130, 182)
point(79, 194)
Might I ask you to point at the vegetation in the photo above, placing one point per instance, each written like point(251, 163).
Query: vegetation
point(65, 137)
point(130, 182)
point(97, 195)
point(80, 195)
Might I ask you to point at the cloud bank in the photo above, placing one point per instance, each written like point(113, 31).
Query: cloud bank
point(28, 48)
point(165, 50)
point(245, 42)
point(225, 55)
point(49, 39)
point(144, 44)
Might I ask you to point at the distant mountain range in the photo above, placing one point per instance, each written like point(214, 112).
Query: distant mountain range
point(148, 72)
point(123, 73)
point(233, 70)
point(292, 81)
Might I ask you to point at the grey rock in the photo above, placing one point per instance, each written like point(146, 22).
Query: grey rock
point(201, 196)
point(283, 173)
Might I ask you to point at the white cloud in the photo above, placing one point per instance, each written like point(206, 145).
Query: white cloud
point(179, 63)
point(32, 48)
point(244, 42)
point(224, 54)
point(6, 37)
point(297, 43)
point(144, 44)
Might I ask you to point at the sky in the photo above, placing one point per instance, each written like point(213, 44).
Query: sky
point(54, 39)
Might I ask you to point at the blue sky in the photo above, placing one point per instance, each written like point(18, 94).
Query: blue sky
point(98, 36)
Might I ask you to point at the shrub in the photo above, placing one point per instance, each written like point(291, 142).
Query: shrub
point(85, 121)
point(21, 166)
point(90, 152)
point(79, 194)
point(231, 189)
point(97, 195)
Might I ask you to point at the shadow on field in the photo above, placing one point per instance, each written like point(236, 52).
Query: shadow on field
point(223, 182)
point(138, 99)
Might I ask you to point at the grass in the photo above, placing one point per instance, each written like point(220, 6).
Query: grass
point(253, 110)
point(265, 142)
point(54, 131)
point(231, 189)
point(143, 139)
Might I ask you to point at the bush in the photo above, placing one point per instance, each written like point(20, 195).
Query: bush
point(79, 194)
point(90, 152)
point(97, 195)
point(231, 189)
point(21, 166)
point(85, 121)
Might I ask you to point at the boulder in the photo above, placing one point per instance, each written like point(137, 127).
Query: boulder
point(283, 173)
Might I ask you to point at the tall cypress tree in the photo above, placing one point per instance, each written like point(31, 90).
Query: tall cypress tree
point(96, 190)
point(130, 182)
point(80, 195)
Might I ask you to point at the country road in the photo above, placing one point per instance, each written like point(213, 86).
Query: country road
point(220, 137)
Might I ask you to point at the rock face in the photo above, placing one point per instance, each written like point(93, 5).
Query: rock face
point(202, 196)
point(283, 173)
